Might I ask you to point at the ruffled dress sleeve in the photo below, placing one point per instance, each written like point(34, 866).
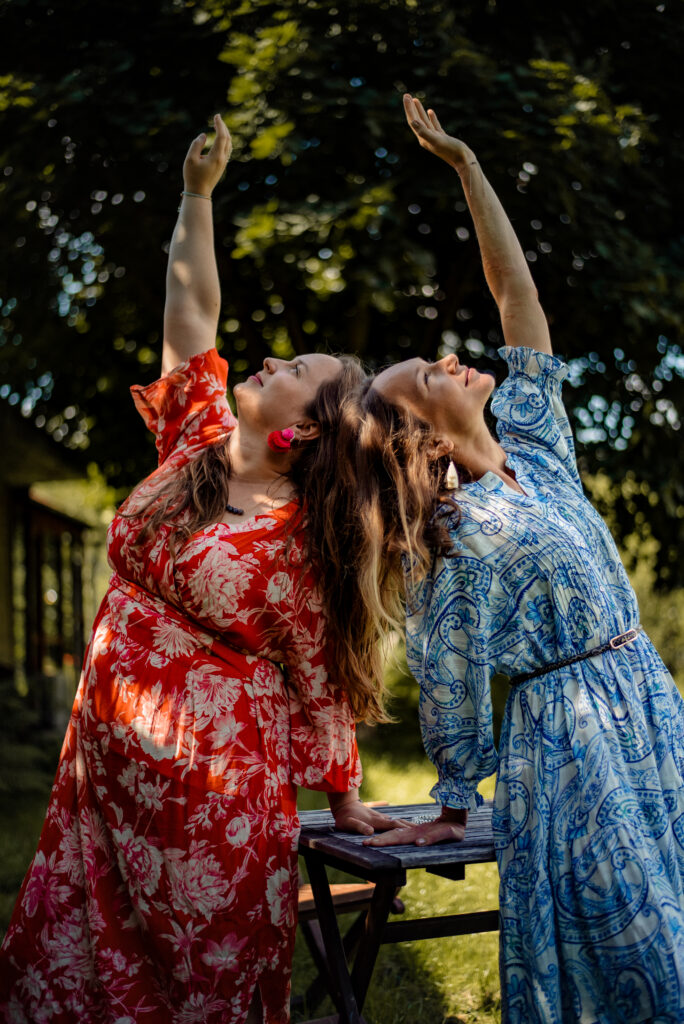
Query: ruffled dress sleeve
point(323, 749)
point(460, 627)
point(187, 407)
point(531, 418)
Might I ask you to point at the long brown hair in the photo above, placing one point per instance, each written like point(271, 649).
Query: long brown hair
point(324, 482)
point(402, 485)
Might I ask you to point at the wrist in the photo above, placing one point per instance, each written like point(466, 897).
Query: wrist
point(465, 161)
point(454, 815)
point(194, 197)
point(340, 801)
point(197, 193)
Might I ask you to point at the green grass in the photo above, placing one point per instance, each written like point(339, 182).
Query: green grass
point(20, 825)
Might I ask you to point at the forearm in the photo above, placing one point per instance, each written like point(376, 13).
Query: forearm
point(505, 267)
point(192, 282)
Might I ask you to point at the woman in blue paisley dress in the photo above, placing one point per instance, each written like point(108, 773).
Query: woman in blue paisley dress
point(518, 574)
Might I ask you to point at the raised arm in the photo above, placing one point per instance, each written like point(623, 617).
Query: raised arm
point(503, 260)
point(193, 295)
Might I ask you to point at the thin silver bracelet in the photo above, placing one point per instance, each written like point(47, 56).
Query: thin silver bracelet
point(471, 164)
point(193, 195)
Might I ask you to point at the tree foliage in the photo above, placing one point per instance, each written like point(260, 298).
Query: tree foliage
point(333, 229)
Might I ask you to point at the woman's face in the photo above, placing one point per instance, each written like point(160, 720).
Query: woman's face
point(447, 394)
point(277, 396)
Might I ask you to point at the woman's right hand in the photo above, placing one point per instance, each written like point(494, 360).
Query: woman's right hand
point(202, 172)
point(431, 135)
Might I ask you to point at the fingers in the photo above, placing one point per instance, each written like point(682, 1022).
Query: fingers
point(223, 141)
point(383, 823)
point(434, 121)
point(419, 835)
point(395, 837)
point(196, 147)
point(363, 828)
point(422, 125)
point(439, 832)
point(412, 113)
point(420, 109)
point(222, 144)
point(367, 825)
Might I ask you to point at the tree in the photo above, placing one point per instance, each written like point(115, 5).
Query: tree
point(333, 229)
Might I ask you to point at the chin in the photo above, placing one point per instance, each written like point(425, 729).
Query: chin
point(246, 399)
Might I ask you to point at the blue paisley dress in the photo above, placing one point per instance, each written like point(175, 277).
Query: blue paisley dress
point(589, 804)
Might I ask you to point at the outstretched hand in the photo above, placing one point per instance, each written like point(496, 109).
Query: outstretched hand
point(203, 171)
point(430, 134)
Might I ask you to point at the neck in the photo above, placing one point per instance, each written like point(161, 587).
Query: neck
point(251, 461)
point(479, 453)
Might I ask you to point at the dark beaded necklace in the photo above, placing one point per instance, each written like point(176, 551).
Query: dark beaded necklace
point(235, 511)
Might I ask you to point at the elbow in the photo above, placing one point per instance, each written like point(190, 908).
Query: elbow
point(510, 281)
point(517, 304)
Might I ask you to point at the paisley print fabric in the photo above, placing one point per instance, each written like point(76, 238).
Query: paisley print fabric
point(589, 802)
point(164, 887)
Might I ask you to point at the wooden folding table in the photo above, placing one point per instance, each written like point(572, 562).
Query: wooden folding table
point(322, 847)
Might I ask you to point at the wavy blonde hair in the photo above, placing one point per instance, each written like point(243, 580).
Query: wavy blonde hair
point(324, 481)
point(401, 486)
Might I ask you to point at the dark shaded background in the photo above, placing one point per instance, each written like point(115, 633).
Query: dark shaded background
point(334, 230)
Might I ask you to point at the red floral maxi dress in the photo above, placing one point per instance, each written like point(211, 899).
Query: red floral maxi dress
point(164, 886)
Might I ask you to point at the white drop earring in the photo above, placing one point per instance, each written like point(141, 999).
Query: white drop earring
point(451, 481)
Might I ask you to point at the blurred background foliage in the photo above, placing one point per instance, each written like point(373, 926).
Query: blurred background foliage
point(334, 230)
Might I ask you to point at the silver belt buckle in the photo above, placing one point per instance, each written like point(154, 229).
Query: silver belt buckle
point(623, 638)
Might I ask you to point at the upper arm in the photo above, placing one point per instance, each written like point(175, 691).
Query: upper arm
point(523, 320)
point(187, 333)
point(454, 643)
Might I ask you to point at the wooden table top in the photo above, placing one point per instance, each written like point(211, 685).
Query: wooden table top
point(318, 834)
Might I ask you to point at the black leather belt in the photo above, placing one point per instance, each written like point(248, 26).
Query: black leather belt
point(612, 645)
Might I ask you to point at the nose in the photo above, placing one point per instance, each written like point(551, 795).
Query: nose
point(270, 364)
point(449, 363)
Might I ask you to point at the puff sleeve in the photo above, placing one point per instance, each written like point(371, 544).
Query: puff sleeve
point(187, 407)
point(530, 413)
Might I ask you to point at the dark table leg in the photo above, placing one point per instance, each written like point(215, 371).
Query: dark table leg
point(321, 985)
point(367, 952)
point(341, 989)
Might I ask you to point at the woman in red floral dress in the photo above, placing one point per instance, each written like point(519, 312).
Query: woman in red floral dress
point(164, 885)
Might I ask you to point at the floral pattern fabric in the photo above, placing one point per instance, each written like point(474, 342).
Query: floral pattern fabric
point(589, 801)
point(165, 883)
